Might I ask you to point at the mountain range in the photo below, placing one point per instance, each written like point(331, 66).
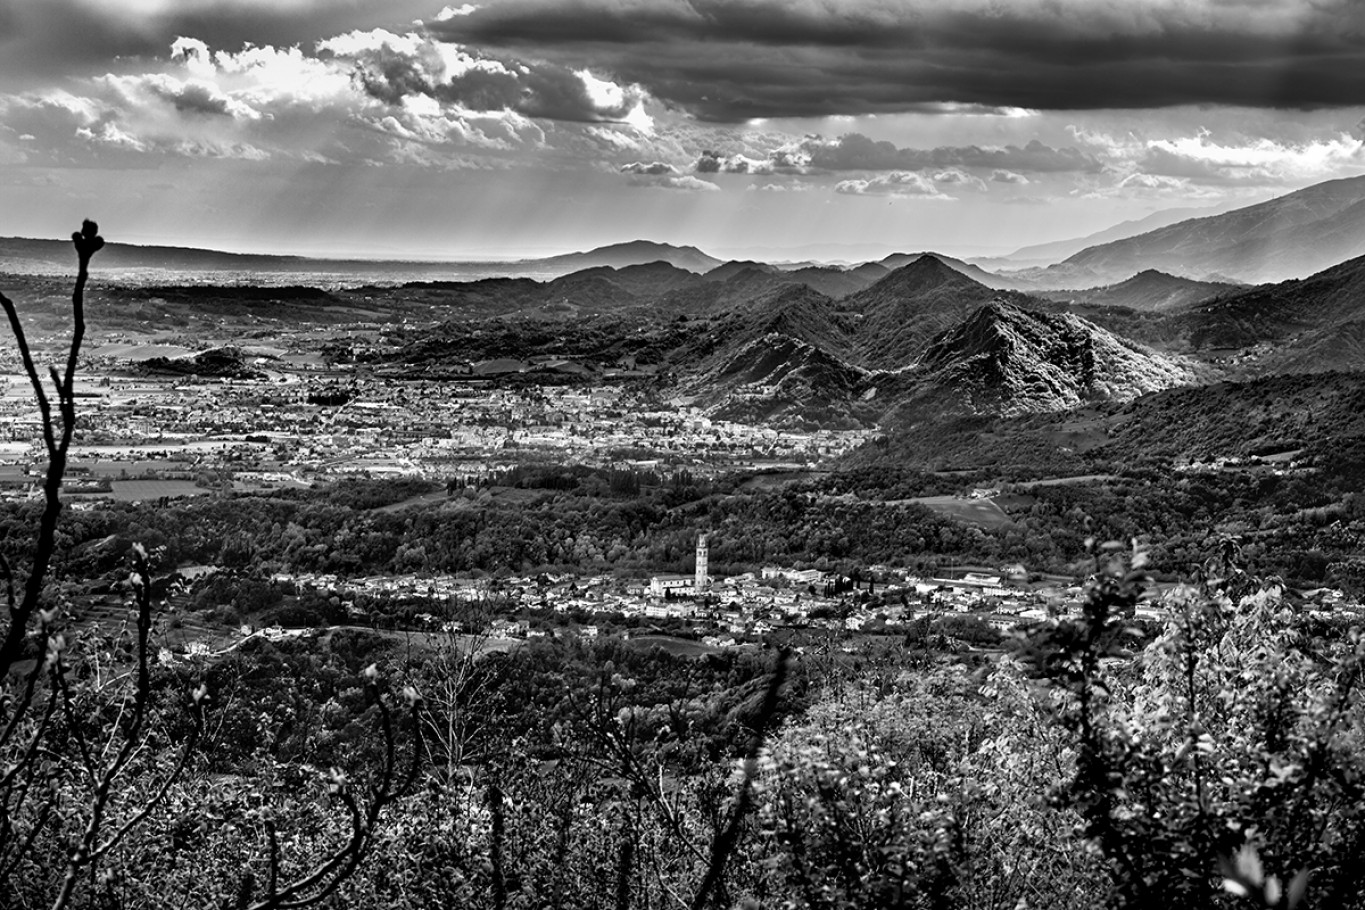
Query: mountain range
point(915, 337)
point(1290, 236)
point(1287, 237)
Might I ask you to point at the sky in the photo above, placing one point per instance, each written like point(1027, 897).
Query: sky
point(831, 129)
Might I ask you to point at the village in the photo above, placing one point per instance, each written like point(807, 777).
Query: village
point(719, 612)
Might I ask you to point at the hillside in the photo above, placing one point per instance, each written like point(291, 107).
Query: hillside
point(1314, 415)
point(727, 270)
point(1148, 290)
point(1287, 237)
point(836, 283)
point(1008, 360)
point(709, 297)
point(647, 279)
point(1239, 419)
point(781, 354)
point(1313, 324)
point(907, 308)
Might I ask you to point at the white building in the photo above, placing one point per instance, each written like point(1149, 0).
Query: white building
point(702, 580)
point(675, 585)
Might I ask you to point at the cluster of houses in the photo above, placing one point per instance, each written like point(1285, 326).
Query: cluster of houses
point(746, 605)
point(386, 426)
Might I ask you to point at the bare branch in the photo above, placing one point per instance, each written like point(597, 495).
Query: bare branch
point(317, 885)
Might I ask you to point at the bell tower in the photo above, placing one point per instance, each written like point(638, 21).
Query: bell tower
point(702, 580)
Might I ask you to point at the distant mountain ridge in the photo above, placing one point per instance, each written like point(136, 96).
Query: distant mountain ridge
point(976, 273)
point(1057, 250)
point(19, 250)
point(634, 252)
point(1149, 290)
point(1287, 237)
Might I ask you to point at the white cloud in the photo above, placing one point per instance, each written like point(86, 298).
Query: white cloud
point(955, 175)
point(661, 175)
point(690, 183)
point(1265, 160)
point(895, 183)
point(1230, 158)
point(452, 12)
point(779, 187)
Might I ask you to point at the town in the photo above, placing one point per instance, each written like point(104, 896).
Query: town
point(294, 426)
point(714, 612)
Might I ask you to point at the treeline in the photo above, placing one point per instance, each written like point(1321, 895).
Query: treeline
point(1304, 527)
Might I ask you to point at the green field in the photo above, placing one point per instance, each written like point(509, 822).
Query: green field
point(138, 490)
point(680, 647)
point(981, 512)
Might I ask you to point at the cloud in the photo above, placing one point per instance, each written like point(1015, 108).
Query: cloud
point(690, 183)
point(732, 60)
point(1152, 182)
point(1244, 161)
point(896, 183)
point(450, 12)
point(714, 163)
point(362, 97)
point(391, 68)
point(1000, 175)
point(1158, 161)
point(779, 188)
point(855, 151)
point(658, 175)
point(62, 37)
point(652, 169)
point(959, 177)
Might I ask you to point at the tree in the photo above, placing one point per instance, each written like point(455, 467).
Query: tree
point(1225, 758)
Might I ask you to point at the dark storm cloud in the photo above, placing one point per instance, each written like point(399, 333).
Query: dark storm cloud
point(729, 60)
point(195, 99)
point(47, 37)
point(856, 152)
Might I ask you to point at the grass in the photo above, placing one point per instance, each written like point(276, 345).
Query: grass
point(981, 512)
point(678, 647)
point(137, 490)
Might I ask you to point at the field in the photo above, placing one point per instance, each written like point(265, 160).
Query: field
point(981, 512)
point(678, 647)
point(140, 490)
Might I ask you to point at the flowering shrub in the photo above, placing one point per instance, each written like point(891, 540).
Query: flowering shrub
point(1235, 734)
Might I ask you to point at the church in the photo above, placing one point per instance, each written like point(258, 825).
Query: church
point(692, 585)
